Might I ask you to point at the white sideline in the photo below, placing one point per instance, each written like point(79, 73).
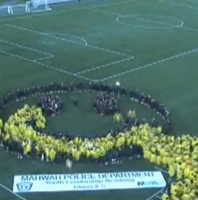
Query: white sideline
point(10, 191)
point(151, 64)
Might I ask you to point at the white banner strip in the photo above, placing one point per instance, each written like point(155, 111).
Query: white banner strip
point(88, 181)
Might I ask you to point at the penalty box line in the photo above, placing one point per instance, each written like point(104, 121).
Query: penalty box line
point(104, 66)
point(45, 65)
point(47, 55)
point(127, 57)
point(71, 41)
point(149, 65)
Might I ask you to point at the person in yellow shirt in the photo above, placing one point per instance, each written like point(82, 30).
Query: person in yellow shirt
point(185, 197)
point(117, 117)
point(74, 151)
point(28, 149)
point(165, 197)
point(46, 149)
point(52, 155)
point(179, 174)
point(153, 158)
point(158, 160)
point(78, 155)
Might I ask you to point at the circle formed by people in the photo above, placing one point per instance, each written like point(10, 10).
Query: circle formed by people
point(23, 134)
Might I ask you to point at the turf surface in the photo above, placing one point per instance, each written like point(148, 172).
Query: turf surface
point(150, 46)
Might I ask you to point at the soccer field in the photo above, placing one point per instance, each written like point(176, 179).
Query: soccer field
point(147, 45)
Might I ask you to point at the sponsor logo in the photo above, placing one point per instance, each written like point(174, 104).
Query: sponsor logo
point(147, 183)
point(24, 186)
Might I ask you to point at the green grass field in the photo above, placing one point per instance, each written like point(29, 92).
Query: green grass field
point(150, 46)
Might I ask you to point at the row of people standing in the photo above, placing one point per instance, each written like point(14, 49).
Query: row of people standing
point(54, 88)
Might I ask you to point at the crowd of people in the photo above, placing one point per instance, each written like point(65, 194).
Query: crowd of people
point(55, 88)
point(50, 104)
point(105, 104)
point(19, 136)
point(177, 154)
point(23, 134)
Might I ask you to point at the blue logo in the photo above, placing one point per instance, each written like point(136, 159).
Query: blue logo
point(24, 186)
point(147, 183)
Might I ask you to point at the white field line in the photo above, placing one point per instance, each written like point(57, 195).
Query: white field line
point(47, 55)
point(151, 64)
point(77, 37)
point(189, 29)
point(186, 6)
point(45, 65)
point(104, 66)
point(10, 191)
point(141, 18)
point(181, 25)
point(161, 23)
point(65, 11)
point(166, 25)
point(158, 197)
point(162, 170)
point(154, 195)
point(72, 41)
point(178, 4)
point(43, 58)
